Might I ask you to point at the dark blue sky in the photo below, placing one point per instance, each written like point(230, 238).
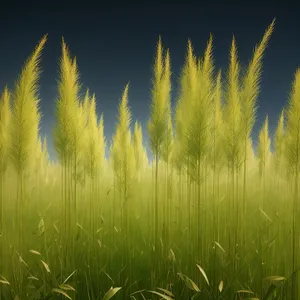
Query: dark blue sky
point(115, 43)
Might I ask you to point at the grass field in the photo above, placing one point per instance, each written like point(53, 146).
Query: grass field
point(206, 217)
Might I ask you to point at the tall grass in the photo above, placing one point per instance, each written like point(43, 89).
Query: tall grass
point(207, 217)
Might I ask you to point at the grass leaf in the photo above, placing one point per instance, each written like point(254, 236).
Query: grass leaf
point(220, 247)
point(46, 266)
point(221, 285)
point(67, 287)
point(161, 295)
point(275, 278)
point(111, 293)
point(35, 252)
point(4, 282)
point(189, 283)
point(203, 273)
point(167, 292)
point(69, 277)
point(55, 290)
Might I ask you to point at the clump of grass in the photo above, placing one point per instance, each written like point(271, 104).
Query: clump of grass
point(206, 217)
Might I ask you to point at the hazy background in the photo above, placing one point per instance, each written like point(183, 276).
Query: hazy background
point(115, 43)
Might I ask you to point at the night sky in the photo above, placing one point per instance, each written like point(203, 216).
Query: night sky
point(115, 43)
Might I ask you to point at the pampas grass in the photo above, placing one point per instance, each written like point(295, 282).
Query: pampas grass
point(206, 217)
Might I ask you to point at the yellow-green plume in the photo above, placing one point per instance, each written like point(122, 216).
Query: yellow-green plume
point(5, 118)
point(264, 148)
point(25, 112)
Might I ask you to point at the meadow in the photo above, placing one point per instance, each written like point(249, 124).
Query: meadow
point(206, 218)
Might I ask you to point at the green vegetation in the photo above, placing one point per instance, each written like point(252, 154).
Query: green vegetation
point(207, 218)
